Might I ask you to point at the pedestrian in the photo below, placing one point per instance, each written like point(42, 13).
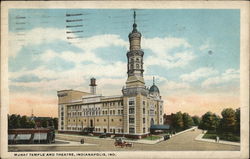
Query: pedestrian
point(217, 139)
point(82, 141)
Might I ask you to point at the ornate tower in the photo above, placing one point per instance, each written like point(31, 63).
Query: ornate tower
point(135, 92)
point(135, 58)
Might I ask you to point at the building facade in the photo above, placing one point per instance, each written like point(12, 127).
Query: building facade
point(130, 114)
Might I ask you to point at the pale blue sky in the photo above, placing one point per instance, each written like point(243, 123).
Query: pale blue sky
point(186, 49)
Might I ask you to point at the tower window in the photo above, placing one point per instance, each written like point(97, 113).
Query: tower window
point(131, 110)
point(131, 103)
point(131, 66)
point(137, 66)
point(131, 120)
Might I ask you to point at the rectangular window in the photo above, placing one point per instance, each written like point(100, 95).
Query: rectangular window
point(114, 112)
point(131, 130)
point(110, 112)
point(131, 110)
point(131, 120)
point(144, 120)
point(144, 130)
point(131, 102)
point(121, 111)
point(144, 111)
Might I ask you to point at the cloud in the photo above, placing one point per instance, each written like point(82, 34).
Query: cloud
point(168, 52)
point(199, 73)
point(67, 79)
point(33, 37)
point(48, 35)
point(172, 85)
point(229, 75)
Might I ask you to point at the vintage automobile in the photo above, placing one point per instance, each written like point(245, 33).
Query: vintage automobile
point(120, 141)
point(166, 137)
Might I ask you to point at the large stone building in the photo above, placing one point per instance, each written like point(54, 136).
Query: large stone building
point(130, 114)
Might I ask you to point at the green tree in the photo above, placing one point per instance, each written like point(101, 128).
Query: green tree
point(44, 123)
point(24, 121)
point(14, 121)
point(177, 121)
point(228, 121)
point(187, 121)
point(55, 121)
point(31, 124)
point(196, 120)
point(209, 121)
point(237, 124)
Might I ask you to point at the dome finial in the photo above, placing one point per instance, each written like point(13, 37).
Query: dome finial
point(134, 25)
point(153, 80)
point(134, 16)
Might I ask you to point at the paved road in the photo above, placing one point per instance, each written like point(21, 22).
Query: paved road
point(182, 142)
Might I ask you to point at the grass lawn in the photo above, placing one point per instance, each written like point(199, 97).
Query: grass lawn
point(222, 136)
point(153, 137)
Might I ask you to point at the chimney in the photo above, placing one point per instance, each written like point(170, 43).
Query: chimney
point(93, 86)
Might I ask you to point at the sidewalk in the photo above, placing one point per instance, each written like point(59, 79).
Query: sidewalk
point(199, 138)
point(69, 143)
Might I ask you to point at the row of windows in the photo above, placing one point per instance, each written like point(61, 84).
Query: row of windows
point(78, 107)
point(97, 120)
point(111, 130)
point(93, 113)
point(119, 103)
point(132, 130)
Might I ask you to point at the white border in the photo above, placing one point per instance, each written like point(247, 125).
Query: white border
point(244, 67)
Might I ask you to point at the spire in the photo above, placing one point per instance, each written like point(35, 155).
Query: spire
point(153, 80)
point(134, 16)
point(134, 25)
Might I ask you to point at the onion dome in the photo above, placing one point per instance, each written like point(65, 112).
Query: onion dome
point(154, 89)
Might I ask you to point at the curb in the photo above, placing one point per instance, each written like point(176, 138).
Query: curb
point(199, 138)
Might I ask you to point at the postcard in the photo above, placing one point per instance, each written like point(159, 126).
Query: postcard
point(129, 79)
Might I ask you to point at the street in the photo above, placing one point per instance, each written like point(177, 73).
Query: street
point(182, 142)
